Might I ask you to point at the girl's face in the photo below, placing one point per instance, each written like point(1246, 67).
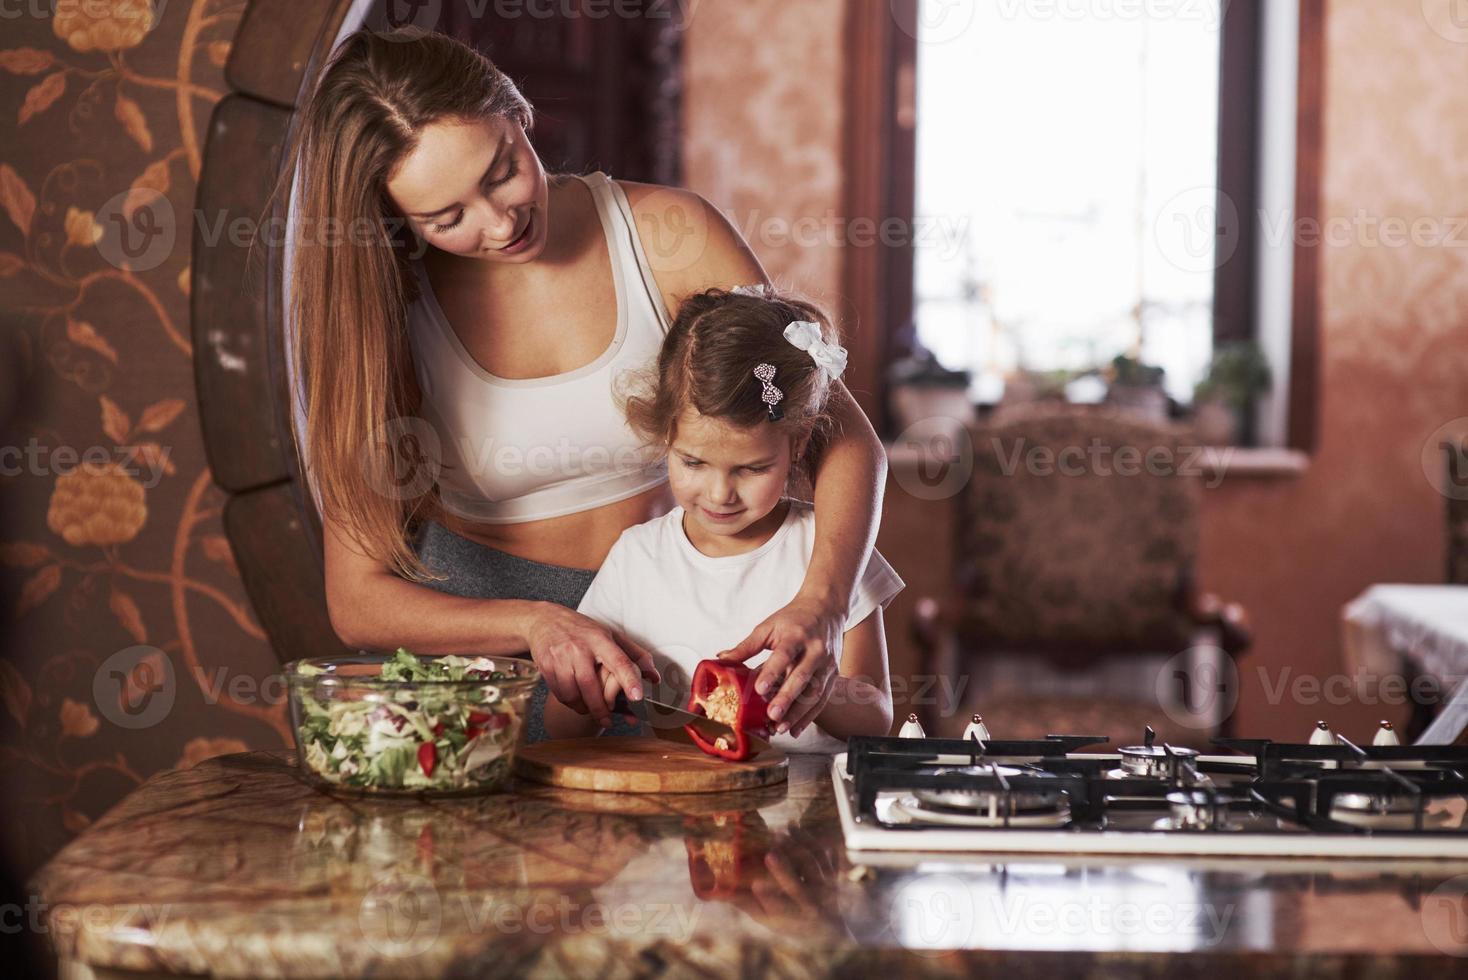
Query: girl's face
point(475, 189)
point(728, 479)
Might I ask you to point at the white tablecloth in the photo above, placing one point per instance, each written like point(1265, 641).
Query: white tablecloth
point(1424, 624)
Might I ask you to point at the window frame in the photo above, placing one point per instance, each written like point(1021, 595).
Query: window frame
point(881, 131)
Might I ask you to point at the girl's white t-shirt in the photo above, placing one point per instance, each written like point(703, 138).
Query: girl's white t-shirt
point(684, 606)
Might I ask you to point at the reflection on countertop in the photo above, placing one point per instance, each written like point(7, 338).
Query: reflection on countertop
point(238, 868)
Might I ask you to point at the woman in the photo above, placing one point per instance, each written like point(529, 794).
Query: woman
point(503, 345)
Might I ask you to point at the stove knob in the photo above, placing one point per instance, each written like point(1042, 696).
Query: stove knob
point(976, 729)
point(1322, 734)
point(912, 728)
point(1386, 735)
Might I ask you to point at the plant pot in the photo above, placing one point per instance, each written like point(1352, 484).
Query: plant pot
point(1216, 422)
point(1148, 401)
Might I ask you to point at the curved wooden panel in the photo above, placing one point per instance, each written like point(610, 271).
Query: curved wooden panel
point(237, 391)
point(278, 46)
point(281, 572)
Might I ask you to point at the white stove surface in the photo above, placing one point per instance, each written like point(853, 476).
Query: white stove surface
point(1263, 838)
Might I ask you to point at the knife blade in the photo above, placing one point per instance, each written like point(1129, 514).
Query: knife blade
point(668, 721)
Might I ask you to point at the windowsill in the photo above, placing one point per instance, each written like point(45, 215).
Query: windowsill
point(1218, 464)
point(1246, 463)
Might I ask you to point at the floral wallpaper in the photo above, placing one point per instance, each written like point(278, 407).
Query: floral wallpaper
point(762, 130)
point(131, 645)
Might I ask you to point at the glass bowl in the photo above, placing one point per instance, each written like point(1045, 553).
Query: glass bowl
point(359, 732)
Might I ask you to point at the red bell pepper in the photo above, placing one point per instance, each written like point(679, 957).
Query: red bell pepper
point(725, 693)
point(726, 853)
point(427, 757)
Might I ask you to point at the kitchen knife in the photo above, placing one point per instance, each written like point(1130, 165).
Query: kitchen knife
point(668, 721)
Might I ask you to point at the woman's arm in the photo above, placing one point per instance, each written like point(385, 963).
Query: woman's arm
point(861, 697)
point(805, 636)
point(372, 607)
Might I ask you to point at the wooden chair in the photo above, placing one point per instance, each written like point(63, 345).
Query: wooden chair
point(1074, 607)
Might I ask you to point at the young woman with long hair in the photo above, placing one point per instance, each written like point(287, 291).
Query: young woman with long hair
point(457, 308)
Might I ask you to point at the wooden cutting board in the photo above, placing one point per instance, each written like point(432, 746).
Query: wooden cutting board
point(643, 765)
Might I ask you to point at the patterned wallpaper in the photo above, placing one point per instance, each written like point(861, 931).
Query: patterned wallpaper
point(763, 129)
point(1394, 324)
point(132, 647)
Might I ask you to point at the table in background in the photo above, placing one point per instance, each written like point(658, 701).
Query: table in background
point(1415, 630)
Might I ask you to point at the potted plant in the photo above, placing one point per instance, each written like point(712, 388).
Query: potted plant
point(1136, 387)
point(1238, 374)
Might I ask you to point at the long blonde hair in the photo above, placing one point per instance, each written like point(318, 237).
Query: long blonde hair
point(350, 293)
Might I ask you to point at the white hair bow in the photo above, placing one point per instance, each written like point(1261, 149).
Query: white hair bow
point(807, 336)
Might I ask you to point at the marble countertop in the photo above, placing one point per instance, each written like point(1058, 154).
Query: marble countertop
point(238, 868)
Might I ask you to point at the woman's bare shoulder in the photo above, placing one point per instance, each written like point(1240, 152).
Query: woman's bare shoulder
point(690, 244)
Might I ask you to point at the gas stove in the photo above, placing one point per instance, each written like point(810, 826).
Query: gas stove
point(1325, 798)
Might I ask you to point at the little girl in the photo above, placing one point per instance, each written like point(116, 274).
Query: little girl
point(738, 402)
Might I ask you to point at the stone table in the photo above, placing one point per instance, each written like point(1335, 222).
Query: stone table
point(238, 868)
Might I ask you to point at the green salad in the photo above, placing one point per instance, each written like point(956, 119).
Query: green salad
point(415, 738)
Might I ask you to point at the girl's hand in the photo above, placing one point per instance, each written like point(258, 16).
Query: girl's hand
point(804, 640)
point(569, 648)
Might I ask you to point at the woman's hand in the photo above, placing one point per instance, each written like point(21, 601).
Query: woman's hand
point(804, 640)
point(569, 647)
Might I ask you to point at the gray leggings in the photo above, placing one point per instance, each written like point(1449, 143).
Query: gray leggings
point(476, 571)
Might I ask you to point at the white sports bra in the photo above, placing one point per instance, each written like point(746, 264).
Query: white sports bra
point(530, 449)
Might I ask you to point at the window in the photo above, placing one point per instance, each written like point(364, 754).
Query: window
point(1077, 144)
